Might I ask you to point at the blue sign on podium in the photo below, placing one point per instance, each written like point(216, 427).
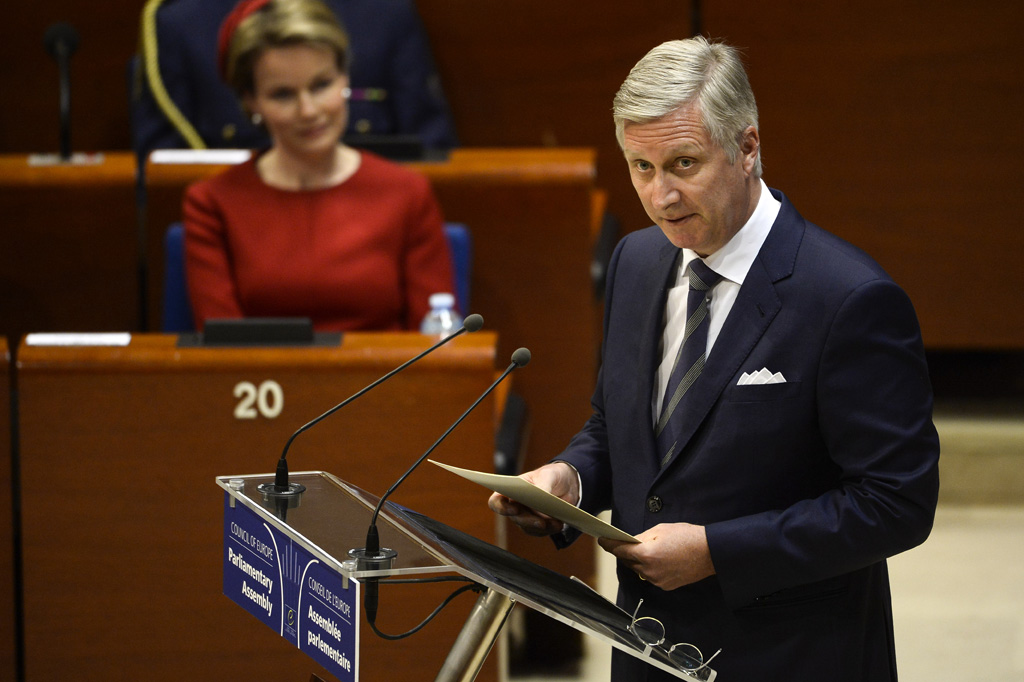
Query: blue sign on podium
point(293, 592)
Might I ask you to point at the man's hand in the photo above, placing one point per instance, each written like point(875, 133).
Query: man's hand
point(557, 478)
point(668, 556)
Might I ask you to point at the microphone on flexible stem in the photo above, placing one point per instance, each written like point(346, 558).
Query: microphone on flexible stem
point(281, 488)
point(61, 41)
point(373, 556)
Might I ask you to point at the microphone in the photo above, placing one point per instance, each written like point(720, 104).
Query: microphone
point(281, 487)
point(372, 555)
point(61, 41)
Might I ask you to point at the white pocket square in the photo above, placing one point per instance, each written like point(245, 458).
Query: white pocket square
point(762, 377)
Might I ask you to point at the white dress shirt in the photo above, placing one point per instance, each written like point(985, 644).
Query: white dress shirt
point(732, 262)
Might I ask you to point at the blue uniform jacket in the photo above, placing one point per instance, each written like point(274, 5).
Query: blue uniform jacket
point(390, 59)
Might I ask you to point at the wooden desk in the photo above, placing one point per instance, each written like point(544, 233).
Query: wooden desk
point(7, 642)
point(122, 520)
point(69, 246)
point(531, 213)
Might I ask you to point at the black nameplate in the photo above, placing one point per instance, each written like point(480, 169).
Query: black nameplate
point(259, 331)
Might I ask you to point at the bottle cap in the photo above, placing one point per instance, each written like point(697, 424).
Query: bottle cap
point(442, 300)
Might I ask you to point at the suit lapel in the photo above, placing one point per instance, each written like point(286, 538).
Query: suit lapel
point(756, 306)
point(663, 276)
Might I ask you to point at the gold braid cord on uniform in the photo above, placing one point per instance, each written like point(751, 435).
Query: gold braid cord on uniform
point(151, 66)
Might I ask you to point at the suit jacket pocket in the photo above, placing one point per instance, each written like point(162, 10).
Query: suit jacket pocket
point(761, 392)
point(808, 594)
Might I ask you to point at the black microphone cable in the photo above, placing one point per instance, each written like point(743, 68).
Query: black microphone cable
point(471, 585)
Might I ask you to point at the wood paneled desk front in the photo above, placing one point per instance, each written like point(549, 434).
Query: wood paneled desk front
point(69, 259)
point(122, 520)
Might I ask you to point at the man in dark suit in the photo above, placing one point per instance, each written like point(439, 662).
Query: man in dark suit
point(180, 99)
point(770, 468)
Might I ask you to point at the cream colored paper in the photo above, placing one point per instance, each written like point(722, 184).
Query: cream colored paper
point(533, 497)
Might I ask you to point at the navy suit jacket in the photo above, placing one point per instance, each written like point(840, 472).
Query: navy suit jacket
point(389, 51)
point(804, 487)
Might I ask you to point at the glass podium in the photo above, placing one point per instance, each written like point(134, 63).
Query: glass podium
point(286, 561)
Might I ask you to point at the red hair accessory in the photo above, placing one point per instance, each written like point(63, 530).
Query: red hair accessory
point(230, 25)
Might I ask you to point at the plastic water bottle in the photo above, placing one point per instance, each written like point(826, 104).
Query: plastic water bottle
point(442, 320)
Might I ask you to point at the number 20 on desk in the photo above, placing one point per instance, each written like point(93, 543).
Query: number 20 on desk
point(265, 400)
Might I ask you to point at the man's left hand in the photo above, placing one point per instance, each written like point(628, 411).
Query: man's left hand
point(668, 556)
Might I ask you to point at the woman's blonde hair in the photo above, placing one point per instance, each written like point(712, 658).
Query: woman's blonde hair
point(281, 23)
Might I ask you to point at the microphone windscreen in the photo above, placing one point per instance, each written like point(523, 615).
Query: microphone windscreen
point(473, 322)
point(521, 357)
point(61, 37)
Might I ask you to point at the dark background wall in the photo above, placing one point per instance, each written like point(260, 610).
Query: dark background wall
point(891, 124)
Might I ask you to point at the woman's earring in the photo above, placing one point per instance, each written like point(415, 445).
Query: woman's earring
point(256, 119)
point(346, 92)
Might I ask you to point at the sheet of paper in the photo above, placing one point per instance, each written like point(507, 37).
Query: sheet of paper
point(200, 156)
point(542, 501)
point(79, 339)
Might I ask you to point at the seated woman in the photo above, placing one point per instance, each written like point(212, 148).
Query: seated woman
point(309, 227)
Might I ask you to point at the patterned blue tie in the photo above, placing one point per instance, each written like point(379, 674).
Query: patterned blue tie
point(692, 352)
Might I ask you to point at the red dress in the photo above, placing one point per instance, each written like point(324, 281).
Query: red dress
point(365, 254)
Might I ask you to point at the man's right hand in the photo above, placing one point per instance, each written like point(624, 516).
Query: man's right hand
point(557, 478)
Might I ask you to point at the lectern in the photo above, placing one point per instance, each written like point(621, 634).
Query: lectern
point(287, 562)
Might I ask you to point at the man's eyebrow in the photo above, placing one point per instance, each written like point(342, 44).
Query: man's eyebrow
point(685, 149)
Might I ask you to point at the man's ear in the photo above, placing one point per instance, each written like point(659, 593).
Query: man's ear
point(750, 144)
